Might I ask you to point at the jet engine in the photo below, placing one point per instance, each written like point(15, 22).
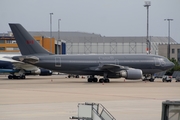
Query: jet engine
point(130, 74)
point(36, 72)
point(45, 72)
point(39, 71)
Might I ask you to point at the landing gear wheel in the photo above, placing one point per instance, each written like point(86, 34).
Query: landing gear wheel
point(106, 80)
point(10, 77)
point(15, 77)
point(101, 80)
point(89, 79)
point(95, 79)
point(77, 76)
point(23, 77)
point(151, 80)
point(92, 79)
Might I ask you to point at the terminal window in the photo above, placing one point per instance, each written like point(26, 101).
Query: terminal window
point(2, 48)
point(2, 41)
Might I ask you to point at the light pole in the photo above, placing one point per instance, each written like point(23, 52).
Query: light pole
point(51, 32)
point(147, 4)
point(168, 49)
point(58, 36)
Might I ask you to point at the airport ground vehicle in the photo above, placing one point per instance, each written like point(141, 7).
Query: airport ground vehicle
point(167, 78)
point(178, 79)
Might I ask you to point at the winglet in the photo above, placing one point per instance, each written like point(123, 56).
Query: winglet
point(26, 43)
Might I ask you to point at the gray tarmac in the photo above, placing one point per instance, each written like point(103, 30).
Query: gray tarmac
point(56, 97)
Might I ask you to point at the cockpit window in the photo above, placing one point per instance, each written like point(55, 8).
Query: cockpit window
point(164, 61)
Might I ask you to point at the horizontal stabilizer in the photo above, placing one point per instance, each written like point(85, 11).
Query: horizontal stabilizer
point(28, 59)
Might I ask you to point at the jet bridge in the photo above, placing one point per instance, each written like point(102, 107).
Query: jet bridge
point(92, 111)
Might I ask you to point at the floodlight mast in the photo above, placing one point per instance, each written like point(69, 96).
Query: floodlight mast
point(58, 52)
point(168, 49)
point(147, 4)
point(51, 32)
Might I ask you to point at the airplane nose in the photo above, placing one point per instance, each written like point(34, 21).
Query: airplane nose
point(170, 65)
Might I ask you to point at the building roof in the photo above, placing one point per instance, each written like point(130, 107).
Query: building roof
point(82, 37)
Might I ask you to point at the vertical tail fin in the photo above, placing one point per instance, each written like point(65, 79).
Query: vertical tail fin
point(26, 43)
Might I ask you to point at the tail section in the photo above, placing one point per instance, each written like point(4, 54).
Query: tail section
point(26, 43)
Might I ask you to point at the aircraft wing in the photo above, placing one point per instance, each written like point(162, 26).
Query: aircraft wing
point(114, 67)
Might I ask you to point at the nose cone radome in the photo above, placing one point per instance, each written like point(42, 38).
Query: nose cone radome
point(170, 65)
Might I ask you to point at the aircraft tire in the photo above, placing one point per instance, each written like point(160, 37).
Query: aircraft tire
point(10, 77)
point(90, 79)
point(106, 80)
point(14, 77)
point(77, 76)
point(23, 77)
point(101, 80)
point(95, 79)
point(151, 80)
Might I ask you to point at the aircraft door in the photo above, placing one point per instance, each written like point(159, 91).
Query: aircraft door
point(116, 61)
point(57, 62)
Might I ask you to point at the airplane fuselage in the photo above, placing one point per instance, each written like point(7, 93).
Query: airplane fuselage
point(88, 64)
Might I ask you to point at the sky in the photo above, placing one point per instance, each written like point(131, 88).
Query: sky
point(105, 17)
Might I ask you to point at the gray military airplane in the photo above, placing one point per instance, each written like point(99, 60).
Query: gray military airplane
point(128, 66)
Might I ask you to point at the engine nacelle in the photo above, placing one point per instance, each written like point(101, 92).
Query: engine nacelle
point(45, 72)
point(36, 72)
point(39, 71)
point(131, 74)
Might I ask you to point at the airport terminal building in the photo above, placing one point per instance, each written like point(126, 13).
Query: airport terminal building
point(90, 43)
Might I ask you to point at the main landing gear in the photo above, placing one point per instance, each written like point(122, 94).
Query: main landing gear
point(101, 80)
point(16, 77)
point(104, 79)
point(92, 79)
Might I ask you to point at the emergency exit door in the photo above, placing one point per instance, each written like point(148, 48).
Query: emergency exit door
point(57, 62)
